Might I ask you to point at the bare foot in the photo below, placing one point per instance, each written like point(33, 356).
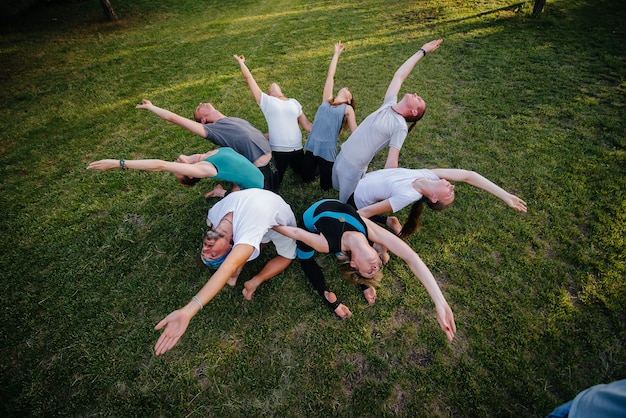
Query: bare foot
point(394, 224)
point(218, 191)
point(370, 295)
point(249, 288)
point(342, 311)
point(233, 280)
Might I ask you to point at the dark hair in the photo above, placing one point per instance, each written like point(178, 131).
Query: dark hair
point(188, 181)
point(415, 118)
point(412, 222)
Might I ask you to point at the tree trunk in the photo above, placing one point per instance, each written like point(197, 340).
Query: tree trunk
point(108, 10)
point(538, 7)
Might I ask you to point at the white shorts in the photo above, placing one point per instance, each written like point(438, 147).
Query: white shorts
point(285, 246)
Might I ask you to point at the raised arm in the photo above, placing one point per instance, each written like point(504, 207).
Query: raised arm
point(330, 85)
point(190, 125)
point(200, 169)
point(400, 248)
point(476, 180)
point(176, 322)
point(315, 241)
point(332, 68)
point(247, 75)
point(405, 69)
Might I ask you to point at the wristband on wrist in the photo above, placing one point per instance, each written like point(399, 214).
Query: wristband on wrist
point(123, 164)
point(423, 50)
point(197, 300)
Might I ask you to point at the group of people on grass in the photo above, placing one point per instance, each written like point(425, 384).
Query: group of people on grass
point(354, 227)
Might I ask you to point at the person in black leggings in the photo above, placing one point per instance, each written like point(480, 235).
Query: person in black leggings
point(335, 227)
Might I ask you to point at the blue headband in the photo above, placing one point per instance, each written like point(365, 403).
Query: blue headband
point(213, 264)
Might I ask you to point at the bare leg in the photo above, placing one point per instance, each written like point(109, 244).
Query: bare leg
point(394, 224)
point(233, 280)
point(274, 267)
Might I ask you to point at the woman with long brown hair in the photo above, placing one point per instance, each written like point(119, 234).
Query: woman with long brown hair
point(390, 190)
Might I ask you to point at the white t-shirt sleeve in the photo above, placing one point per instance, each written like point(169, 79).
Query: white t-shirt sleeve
point(263, 104)
point(298, 106)
point(403, 199)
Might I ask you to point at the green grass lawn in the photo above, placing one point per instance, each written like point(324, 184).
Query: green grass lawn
point(91, 261)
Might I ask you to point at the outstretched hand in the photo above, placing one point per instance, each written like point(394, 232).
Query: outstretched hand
point(145, 103)
point(240, 58)
point(104, 165)
point(175, 326)
point(432, 45)
point(339, 48)
point(446, 320)
point(516, 203)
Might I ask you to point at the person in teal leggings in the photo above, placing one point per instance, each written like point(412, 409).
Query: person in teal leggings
point(222, 164)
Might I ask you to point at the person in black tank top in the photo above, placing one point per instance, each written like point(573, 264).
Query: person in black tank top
point(330, 226)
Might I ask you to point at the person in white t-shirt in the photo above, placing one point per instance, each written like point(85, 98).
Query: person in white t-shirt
point(284, 117)
point(240, 226)
point(392, 189)
point(386, 127)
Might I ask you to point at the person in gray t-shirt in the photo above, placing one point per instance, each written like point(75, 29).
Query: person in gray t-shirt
point(386, 127)
point(226, 131)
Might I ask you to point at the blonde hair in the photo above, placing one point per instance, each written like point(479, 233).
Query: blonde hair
point(352, 275)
